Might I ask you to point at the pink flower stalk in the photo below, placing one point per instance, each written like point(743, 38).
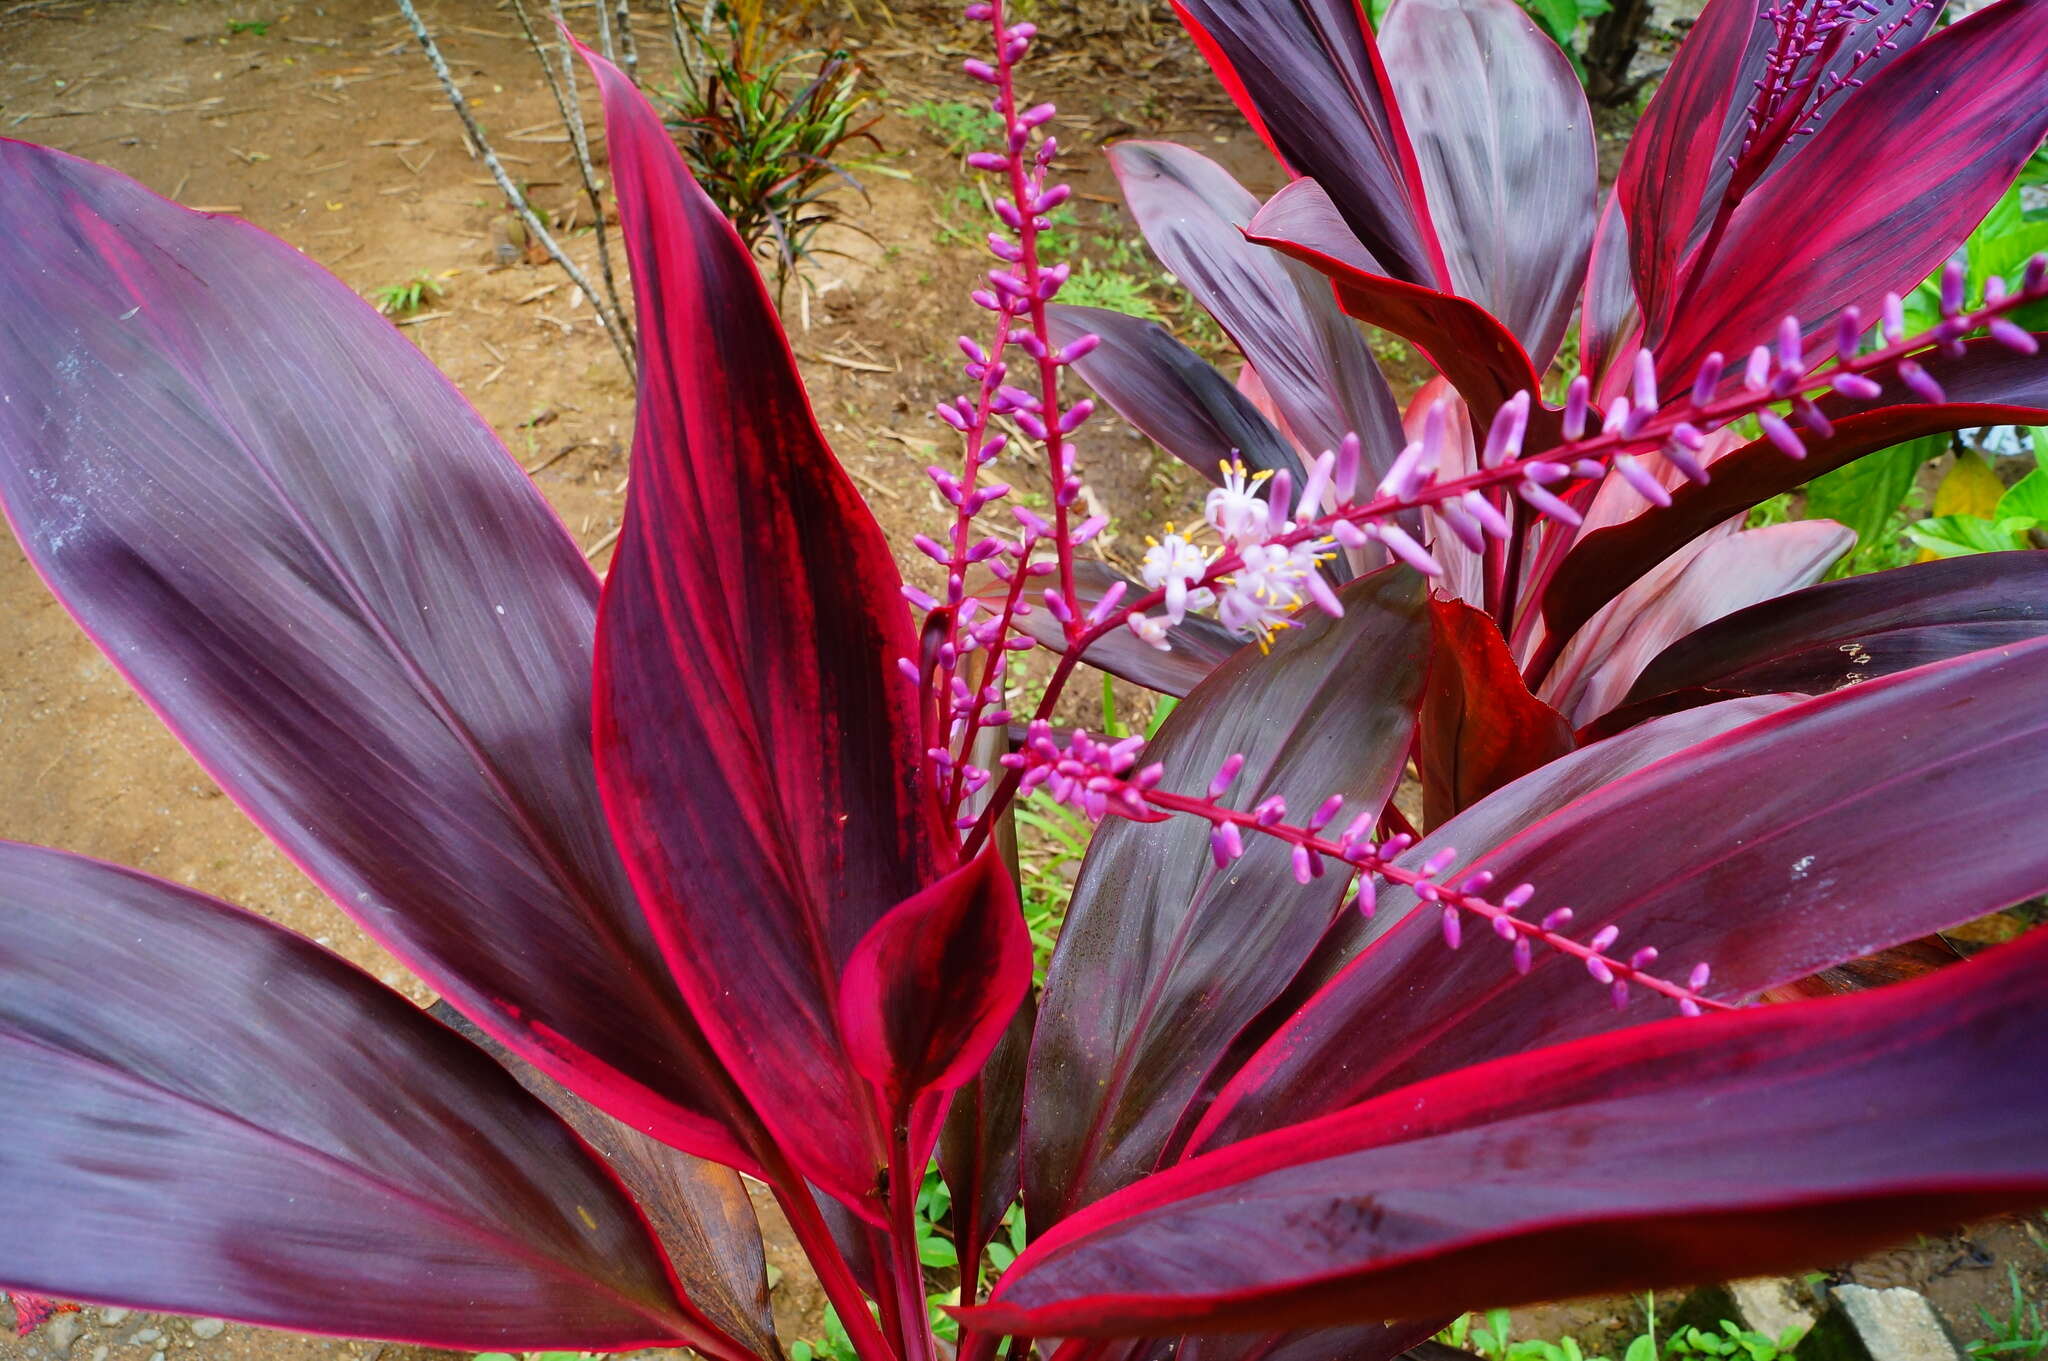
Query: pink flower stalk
point(959, 709)
point(1096, 777)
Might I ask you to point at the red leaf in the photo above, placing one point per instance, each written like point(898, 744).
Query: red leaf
point(233, 1121)
point(320, 567)
point(1481, 727)
point(1668, 171)
point(1986, 385)
point(757, 751)
point(1308, 75)
point(1505, 144)
point(1771, 851)
point(1480, 357)
point(1607, 1165)
point(33, 1311)
point(930, 988)
point(1608, 316)
point(1881, 195)
point(1677, 166)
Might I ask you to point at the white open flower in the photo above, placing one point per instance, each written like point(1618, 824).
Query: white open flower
point(1174, 565)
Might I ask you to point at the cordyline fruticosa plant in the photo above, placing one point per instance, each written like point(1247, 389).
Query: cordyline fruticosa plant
point(706, 862)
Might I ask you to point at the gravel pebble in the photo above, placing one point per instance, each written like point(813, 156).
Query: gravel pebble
point(61, 1331)
point(113, 1315)
point(208, 1327)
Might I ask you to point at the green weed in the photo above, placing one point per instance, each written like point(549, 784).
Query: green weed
point(408, 295)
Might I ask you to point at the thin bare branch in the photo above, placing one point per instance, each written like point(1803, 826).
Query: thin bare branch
point(572, 119)
point(613, 325)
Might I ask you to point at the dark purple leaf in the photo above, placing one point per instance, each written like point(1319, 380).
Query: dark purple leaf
point(981, 1142)
point(1480, 727)
point(1504, 141)
point(699, 1210)
point(1880, 196)
point(1172, 395)
point(750, 627)
point(1479, 356)
point(1164, 957)
point(1987, 385)
point(1198, 644)
point(318, 564)
point(1843, 632)
point(1596, 1167)
point(232, 1121)
point(1771, 851)
point(1313, 361)
point(1308, 76)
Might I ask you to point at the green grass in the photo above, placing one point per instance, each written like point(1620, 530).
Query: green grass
point(1489, 1336)
point(408, 295)
point(959, 127)
point(2020, 1336)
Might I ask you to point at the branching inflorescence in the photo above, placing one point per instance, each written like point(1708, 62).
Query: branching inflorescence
point(1102, 777)
point(1271, 538)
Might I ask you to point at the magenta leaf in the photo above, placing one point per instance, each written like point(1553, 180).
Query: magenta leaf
point(1480, 726)
point(930, 989)
point(1608, 316)
point(319, 565)
point(1308, 75)
point(233, 1121)
point(1315, 365)
point(1172, 395)
point(1164, 957)
point(1594, 1167)
point(1843, 632)
point(699, 1210)
point(1504, 140)
point(1480, 357)
point(1677, 167)
point(1669, 173)
point(1987, 384)
point(750, 628)
point(1770, 851)
point(1881, 195)
point(32, 1311)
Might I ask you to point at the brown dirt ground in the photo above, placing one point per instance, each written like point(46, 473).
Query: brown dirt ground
point(329, 131)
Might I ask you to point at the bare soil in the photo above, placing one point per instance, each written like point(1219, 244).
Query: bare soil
point(327, 129)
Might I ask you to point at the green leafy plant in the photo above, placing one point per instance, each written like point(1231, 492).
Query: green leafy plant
point(1871, 496)
point(407, 295)
point(763, 124)
point(1491, 1339)
point(960, 126)
point(2021, 1334)
point(2014, 516)
point(237, 27)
